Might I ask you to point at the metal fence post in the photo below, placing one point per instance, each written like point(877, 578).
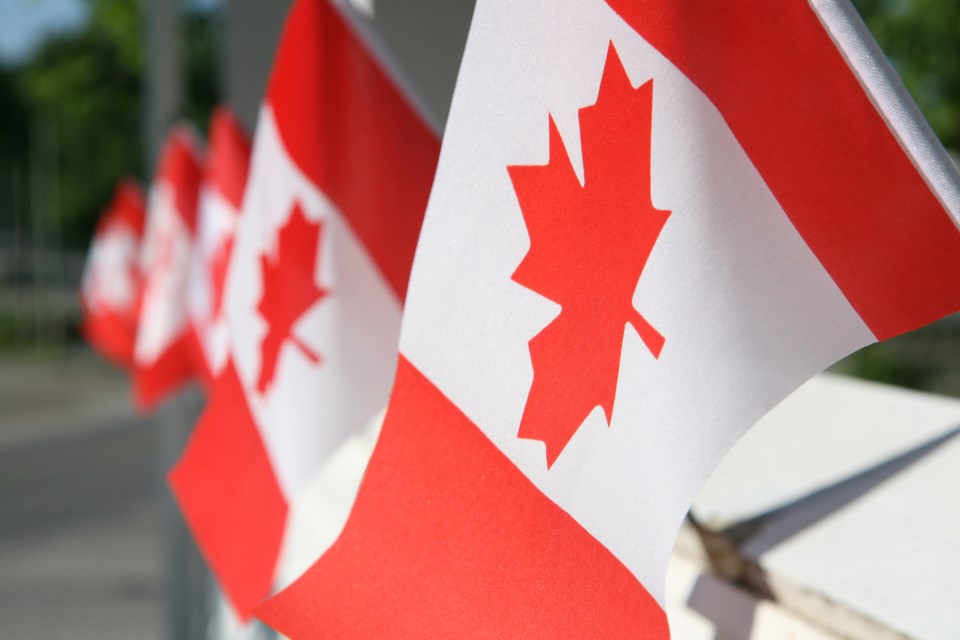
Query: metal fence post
point(187, 611)
point(185, 575)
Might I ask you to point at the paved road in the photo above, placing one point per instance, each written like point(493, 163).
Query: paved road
point(80, 549)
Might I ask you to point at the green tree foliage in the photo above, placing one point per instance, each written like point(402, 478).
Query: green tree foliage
point(201, 61)
point(85, 90)
point(922, 40)
point(13, 118)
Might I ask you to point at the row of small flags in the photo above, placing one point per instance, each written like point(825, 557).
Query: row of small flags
point(649, 223)
point(152, 291)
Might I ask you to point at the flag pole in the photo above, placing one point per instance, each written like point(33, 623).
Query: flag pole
point(185, 579)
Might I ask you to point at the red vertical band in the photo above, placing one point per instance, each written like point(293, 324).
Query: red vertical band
point(822, 148)
point(351, 131)
point(126, 208)
point(179, 167)
point(112, 333)
point(174, 368)
point(228, 157)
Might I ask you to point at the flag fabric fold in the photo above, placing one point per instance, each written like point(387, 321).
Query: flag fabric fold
point(110, 289)
point(228, 493)
point(164, 356)
point(341, 168)
point(651, 222)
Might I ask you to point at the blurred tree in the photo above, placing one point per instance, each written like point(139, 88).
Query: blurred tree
point(202, 32)
point(13, 143)
point(922, 40)
point(85, 89)
point(13, 124)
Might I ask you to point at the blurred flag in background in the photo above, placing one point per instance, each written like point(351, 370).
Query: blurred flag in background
point(225, 178)
point(164, 356)
point(342, 165)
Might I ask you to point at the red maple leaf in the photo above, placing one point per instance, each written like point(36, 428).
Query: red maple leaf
point(588, 247)
point(289, 290)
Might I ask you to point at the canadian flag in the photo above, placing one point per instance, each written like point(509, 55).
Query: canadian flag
point(651, 222)
point(339, 178)
point(163, 356)
point(110, 288)
point(221, 195)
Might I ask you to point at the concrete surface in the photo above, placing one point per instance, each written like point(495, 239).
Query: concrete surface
point(79, 536)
